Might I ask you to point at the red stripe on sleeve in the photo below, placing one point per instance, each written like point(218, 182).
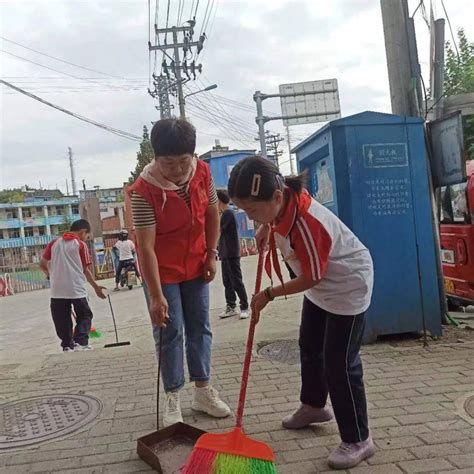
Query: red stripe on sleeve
point(85, 255)
point(312, 246)
point(47, 250)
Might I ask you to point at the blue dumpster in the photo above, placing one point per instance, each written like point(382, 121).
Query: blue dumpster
point(371, 170)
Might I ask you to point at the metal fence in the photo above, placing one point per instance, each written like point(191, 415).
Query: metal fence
point(20, 271)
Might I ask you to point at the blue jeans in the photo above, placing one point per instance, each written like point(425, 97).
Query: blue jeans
point(188, 310)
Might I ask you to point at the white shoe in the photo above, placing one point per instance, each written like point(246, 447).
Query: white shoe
point(244, 314)
point(78, 347)
point(172, 412)
point(229, 312)
point(68, 349)
point(206, 399)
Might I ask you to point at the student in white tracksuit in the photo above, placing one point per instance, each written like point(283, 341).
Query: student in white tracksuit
point(335, 271)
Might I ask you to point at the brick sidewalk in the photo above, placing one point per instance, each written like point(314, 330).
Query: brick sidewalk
point(414, 395)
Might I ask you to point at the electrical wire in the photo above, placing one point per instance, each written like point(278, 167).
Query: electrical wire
point(224, 131)
point(167, 20)
point(157, 37)
point(52, 69)
point(149, 42)
point(224, 125)
point(238, 125)
point(416, 9)
point(61, 60)
point(178, 11)
point(204, 25)
point(115, 131)
point(451, 30)
point(238, 132)
point(197, 6)
point(205, 15)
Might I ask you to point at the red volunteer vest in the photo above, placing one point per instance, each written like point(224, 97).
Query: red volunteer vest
point(180, 243)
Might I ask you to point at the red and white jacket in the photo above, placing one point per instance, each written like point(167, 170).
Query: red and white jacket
point(316, 243)
point(180, 242)
point(69, 256)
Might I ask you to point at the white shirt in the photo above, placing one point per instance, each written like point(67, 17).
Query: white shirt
point(68, 259)
point(316, 243)
point(126, 249)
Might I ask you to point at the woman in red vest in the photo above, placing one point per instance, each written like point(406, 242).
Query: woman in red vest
point(176, 217)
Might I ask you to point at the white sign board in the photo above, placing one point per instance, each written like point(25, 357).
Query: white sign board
point(320, 106)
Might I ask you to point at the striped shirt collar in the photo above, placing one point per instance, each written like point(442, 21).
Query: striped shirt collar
point(297, 205)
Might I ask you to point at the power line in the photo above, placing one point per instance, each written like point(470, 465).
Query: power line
point(451, 30)
point(167, 20)
point(52, 69)
point(149, 41)
point(61, 60)
point(115, 131)
point(204, 19)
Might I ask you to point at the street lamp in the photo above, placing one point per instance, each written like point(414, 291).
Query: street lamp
point(208, 88)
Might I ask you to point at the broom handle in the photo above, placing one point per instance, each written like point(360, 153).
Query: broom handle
point(248, 352)
point(113, 319)
point(158, 381)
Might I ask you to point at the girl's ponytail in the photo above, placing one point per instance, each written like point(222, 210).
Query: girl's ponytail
point(297, 183)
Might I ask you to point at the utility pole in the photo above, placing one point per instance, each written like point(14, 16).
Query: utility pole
point(288, 139)
point(176, 65)
point(179, 85)
point(73, 172)
point(438, 68)
point(395, 27)
point(260, 119)
point(273, 141)
point(162, 91)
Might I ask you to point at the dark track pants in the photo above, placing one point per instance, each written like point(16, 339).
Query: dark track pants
point(61, 312)
point(232, 279)
point(330, 363)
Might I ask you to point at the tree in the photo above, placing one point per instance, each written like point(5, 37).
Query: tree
point(144, 156)
point(459, 79)
point(459, 71)
point(8, 196)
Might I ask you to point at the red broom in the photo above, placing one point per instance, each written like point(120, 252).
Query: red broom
point(234, 452)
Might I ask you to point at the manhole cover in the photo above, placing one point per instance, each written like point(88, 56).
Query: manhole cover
point(469, 406)
point(37, 419)
point(286, 351)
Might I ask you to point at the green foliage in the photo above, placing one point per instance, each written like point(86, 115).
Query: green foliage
point(468, 131)
point(18, 195)
point(67, 222)
point(459, 79)
point(11, 195)
point(459, 71)
point(144, 156)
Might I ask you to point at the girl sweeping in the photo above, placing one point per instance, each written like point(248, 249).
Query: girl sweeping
point(335, 271)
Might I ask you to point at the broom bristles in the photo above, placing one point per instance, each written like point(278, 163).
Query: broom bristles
point(205, 461)
point(94, 332)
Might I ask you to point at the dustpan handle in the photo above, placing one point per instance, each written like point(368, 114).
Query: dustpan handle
point(158, 380)
point(248, 351)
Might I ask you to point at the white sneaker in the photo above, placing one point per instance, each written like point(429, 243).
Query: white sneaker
point(78, 347)
point(206, 399)
point(172, 412)
point(229, 312)
point(68, 349)
point(244, 314)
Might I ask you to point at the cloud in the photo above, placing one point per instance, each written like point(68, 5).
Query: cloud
point(252, 45)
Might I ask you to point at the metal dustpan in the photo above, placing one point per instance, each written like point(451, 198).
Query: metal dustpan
point(167, 450)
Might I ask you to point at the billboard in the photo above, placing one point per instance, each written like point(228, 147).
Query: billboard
point(310, 102)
